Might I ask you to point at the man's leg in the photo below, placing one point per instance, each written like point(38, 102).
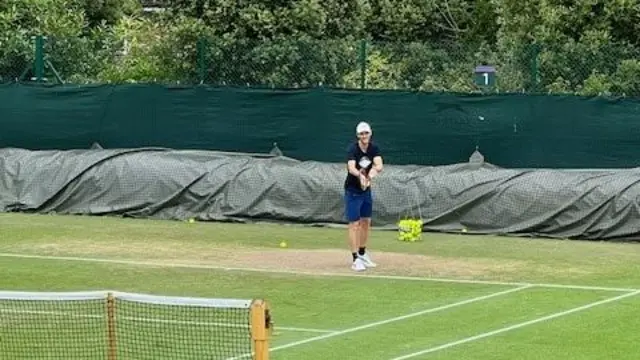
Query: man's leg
point(363, 238)
point(365, 225)
point(353, 203)
point(354, 238)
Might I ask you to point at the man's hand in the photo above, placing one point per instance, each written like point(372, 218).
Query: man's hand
point(365, 181)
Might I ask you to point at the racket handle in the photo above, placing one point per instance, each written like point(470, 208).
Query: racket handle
point(364, 182)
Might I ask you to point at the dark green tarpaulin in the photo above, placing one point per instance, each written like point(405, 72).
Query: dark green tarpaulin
point(512, 131)
point(167, 184)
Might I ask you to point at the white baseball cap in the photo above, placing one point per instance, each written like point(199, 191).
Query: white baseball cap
point(363, 127)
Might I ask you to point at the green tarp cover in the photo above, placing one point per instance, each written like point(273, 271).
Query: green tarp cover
point(171, 184)
point(512, 131)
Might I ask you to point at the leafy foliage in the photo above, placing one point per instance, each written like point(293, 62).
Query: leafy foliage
point(585, 47)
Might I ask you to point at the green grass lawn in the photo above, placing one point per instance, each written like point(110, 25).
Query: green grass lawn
point(321, 310)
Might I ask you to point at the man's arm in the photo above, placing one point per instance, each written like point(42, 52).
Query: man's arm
point(351, 167)
point(377, 163)
point(377, 167)
point(351, 161)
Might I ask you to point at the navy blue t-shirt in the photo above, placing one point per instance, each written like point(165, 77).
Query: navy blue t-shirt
point(364, 160)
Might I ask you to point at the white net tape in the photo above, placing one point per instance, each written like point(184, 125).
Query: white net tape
point(183, 301)
point(52, 296)
point(139, 298)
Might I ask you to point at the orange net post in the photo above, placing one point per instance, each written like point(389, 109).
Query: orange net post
point(111, 326)
point(260, 329)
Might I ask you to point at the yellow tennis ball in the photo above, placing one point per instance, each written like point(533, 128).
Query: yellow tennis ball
point(283, 244)
point(192, 220)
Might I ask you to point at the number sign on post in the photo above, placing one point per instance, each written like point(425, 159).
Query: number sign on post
point(485, 76)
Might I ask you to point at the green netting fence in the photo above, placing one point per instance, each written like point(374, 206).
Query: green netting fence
point(344, 63)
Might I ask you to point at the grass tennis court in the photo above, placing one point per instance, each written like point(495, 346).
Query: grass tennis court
point(495, 298)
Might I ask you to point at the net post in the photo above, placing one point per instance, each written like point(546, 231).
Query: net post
point(260, 326)
point(111, 326)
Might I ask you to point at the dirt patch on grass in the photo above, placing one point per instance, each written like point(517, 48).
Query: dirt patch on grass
point(400, 264)
point(320, 261)
point(308, 261)
point(339, 261)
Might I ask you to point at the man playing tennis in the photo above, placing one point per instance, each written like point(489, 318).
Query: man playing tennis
point(364, 163)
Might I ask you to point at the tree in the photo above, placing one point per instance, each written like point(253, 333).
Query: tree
point(586, 47)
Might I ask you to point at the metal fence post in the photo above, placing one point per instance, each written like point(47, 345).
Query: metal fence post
point(363, 63)
point(535, 68)
point(39, 59)
point(202, 66)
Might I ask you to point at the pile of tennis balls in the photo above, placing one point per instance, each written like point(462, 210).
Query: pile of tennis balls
point(410, 230)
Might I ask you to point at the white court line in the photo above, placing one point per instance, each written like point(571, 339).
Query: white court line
point(391, 320)
point(310, 273)
point(157, 321)
point(320, 331)
point(516, 326)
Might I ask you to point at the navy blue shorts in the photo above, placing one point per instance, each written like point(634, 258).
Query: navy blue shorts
point(358, 205)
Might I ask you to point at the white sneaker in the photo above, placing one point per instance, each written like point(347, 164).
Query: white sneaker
point(358, 265)
point(367, 260)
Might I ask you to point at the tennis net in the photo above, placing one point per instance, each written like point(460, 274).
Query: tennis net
point(116, 325)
